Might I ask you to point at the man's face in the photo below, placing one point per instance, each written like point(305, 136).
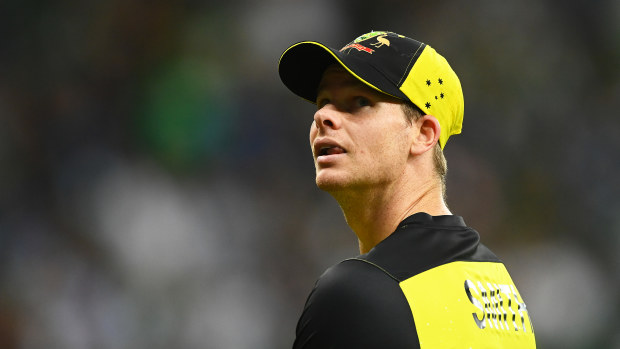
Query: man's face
point(360, 137)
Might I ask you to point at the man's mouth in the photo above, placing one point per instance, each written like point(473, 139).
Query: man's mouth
point(331, 150)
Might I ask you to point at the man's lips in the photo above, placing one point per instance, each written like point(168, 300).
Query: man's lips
point(327, 147)
point(331, 151)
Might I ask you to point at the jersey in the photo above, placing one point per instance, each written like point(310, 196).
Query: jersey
point(430, 284)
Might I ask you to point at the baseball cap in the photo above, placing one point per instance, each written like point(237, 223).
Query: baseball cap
point(388, 62)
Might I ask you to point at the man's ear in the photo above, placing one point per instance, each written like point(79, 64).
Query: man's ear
point(428, 131)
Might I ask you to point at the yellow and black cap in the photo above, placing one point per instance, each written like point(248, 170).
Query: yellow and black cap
point(388, 62)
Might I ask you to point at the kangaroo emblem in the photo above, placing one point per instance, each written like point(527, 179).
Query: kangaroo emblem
point(381, 40)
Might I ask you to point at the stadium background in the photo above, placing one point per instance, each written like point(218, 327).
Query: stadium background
point(156, 185)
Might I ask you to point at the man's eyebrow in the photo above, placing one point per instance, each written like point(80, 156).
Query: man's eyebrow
point(349, 83)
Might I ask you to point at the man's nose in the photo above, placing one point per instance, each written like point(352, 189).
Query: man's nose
point(328, 117)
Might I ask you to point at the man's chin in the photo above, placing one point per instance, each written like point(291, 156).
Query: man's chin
point(330, 183)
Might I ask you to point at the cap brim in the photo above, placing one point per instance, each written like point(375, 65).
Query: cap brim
point(302, 65)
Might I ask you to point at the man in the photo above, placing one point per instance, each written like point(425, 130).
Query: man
point(386, 106)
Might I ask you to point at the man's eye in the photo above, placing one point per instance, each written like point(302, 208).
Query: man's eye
point(322, 102)
point(362, 101)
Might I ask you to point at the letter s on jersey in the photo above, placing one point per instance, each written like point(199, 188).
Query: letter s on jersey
point(491, 306)
point(480, 320)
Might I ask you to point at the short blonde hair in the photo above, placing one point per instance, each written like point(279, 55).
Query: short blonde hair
point(413, 113)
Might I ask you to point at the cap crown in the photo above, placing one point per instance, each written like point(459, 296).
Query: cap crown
point(389, 54)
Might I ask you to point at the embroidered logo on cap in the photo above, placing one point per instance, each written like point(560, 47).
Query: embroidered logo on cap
point(381, 37)
point(358, 47)
point(381, 40)
point(369, 35)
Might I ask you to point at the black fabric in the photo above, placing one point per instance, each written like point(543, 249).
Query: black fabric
point(422, 242)
point(301, 69)
point(358, 303)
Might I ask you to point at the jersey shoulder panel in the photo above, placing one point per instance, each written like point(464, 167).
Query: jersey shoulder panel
point(477, 303)
point(355, 304)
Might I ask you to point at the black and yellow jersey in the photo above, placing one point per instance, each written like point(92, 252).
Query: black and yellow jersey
point(430, 284)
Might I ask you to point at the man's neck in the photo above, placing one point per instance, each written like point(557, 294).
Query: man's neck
point(373, 214)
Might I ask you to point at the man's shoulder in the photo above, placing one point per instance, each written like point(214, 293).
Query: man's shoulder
point(355, 302)
point(348, 283)
point(352, 272)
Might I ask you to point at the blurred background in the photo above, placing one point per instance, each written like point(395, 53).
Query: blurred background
point(157, 187)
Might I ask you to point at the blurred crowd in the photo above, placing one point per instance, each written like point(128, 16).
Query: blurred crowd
point(157, 187)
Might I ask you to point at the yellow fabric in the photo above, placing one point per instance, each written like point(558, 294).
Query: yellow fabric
point(433, 86)
point(468, 305)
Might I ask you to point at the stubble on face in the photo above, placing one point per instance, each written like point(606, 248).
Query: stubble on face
point(375, 136)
